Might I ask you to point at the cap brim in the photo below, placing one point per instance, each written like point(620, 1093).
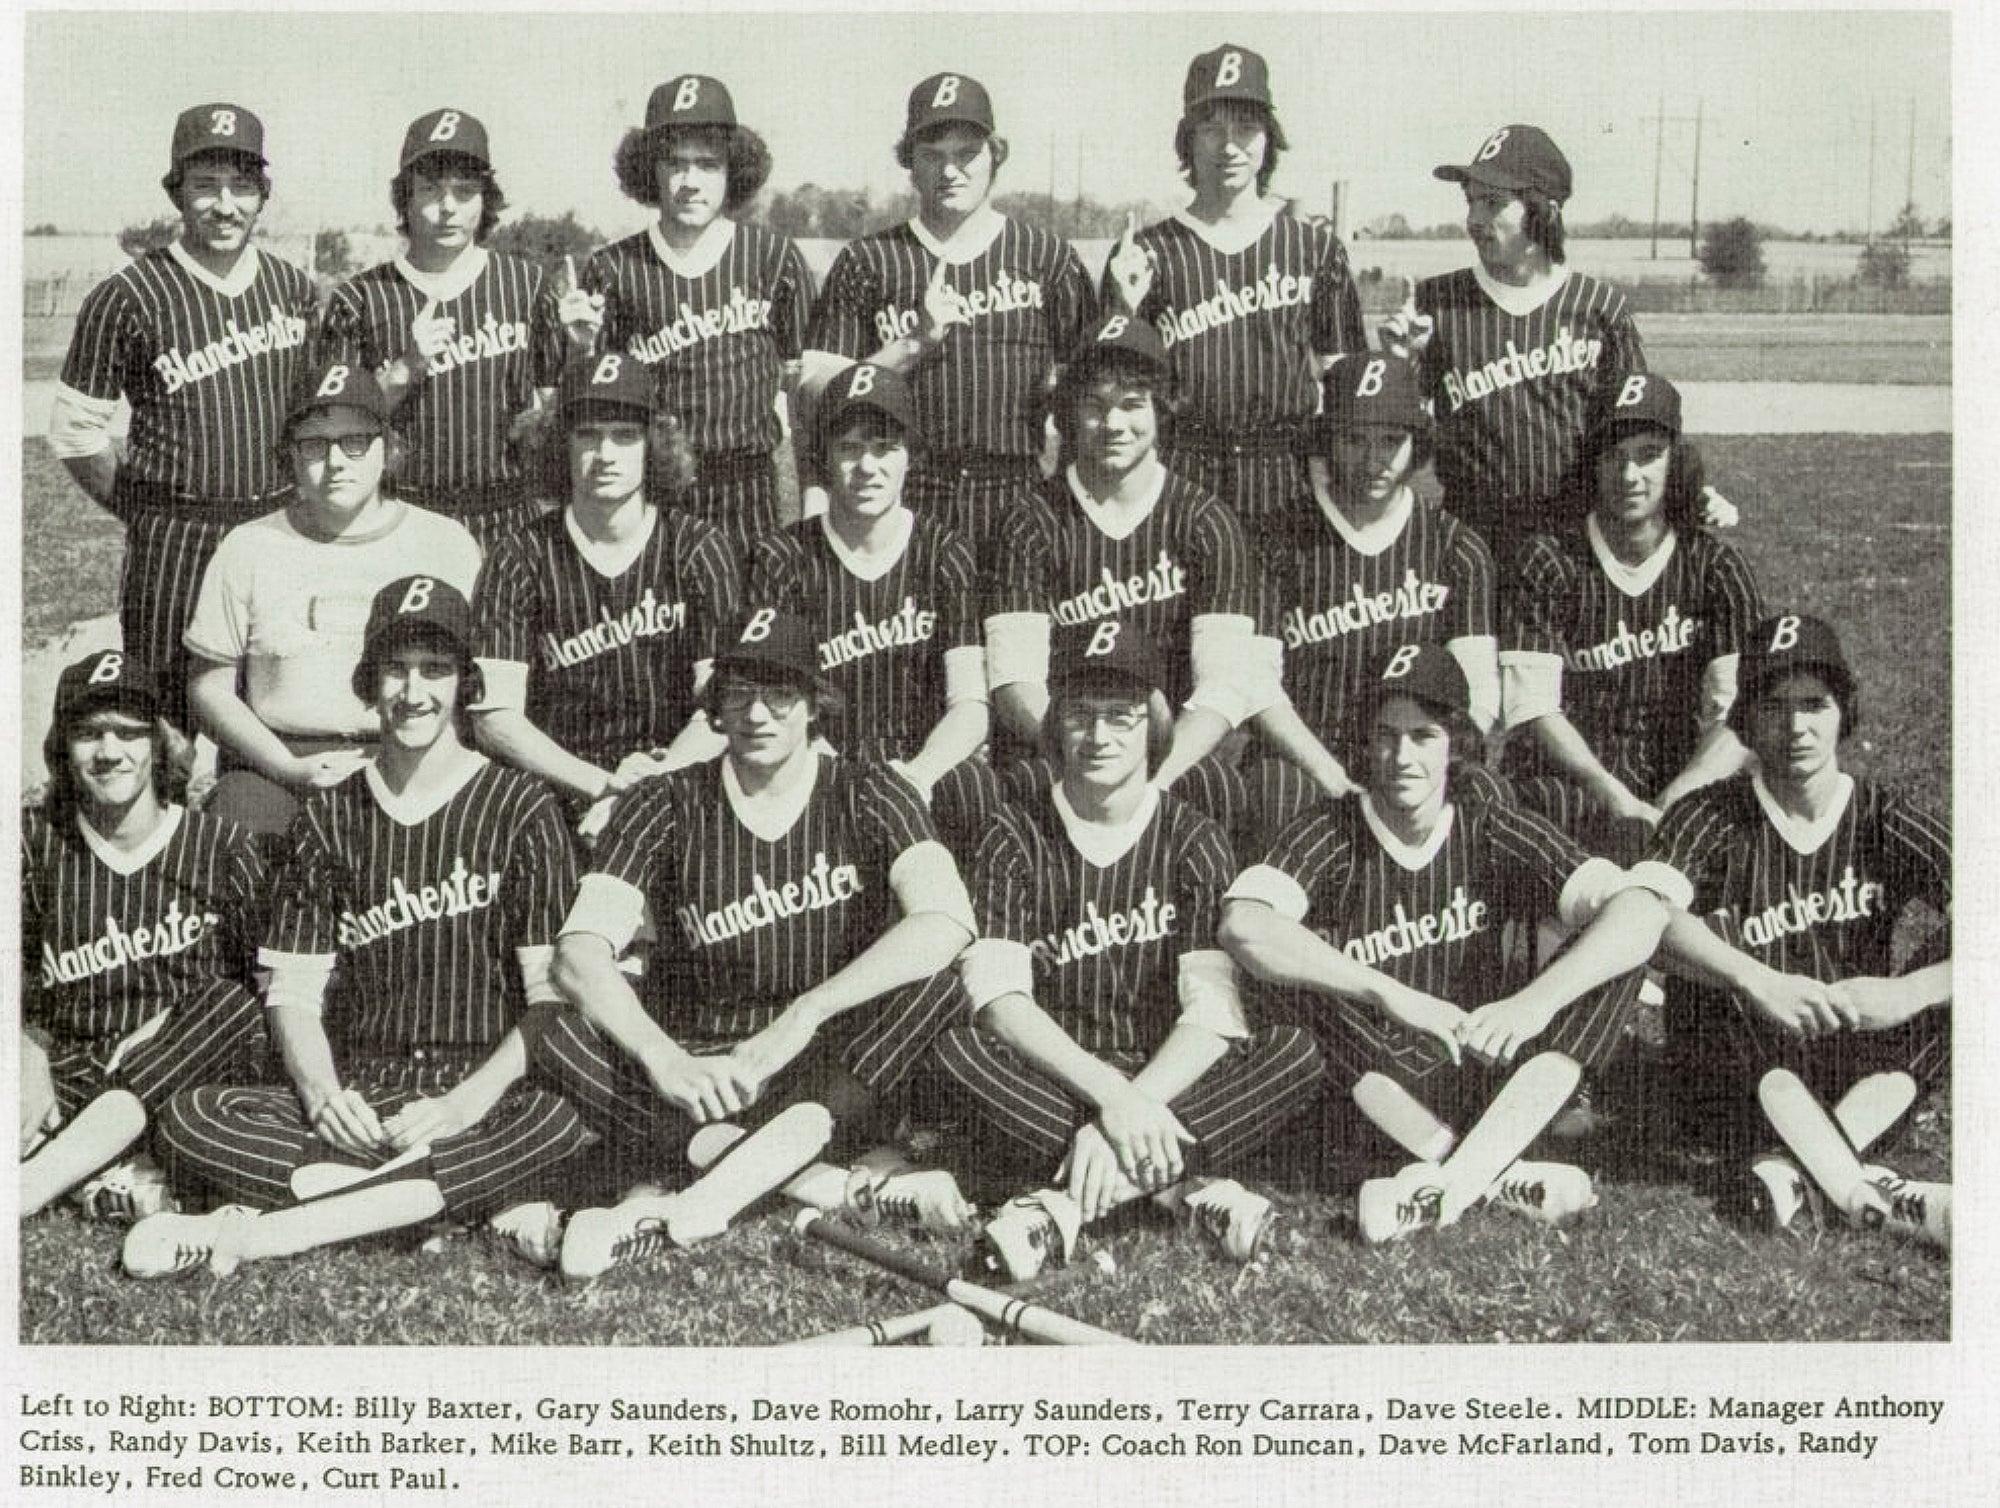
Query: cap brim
point(135, 700)
point(753, 663)
point(1474, 173)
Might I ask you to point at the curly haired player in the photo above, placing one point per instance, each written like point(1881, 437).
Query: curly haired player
point(806, 912)
point(1388, 912)
point(138, 921)
point(1109, 1046)
point(1788, 883)
point(411, 929)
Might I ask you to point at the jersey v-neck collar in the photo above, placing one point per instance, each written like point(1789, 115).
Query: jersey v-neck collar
point(1370, 539)
point(454, 280)
point(131, 860)
point(1116, 520)
point(1233, 236)
point(1103, 844)
point(610, 558)
point(966, 244)
point(1519, 301)
point(1803, 835)
point(413, 807)
point(1410, 856)
point(240, 277)
point(708, 248)
point(771, 815)
point(1632, 580)
point(875, 566)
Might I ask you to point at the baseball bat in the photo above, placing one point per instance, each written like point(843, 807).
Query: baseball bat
point(1031, 1320)
point(900, 1327)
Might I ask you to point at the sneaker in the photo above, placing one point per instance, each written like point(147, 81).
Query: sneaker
point(172, 1243)
point(127, 1192)
point(1551, 1192)
point(1031, 1232)
point(1781, 1189)
point(929, 1200)
point(1234, 1218)
point(1907, 1207)
point(531, 1231)
point(597, 1240)
point(1400, 1205)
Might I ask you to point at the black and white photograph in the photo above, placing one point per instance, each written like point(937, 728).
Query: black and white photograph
point(705, 694)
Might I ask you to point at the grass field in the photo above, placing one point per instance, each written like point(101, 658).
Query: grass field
point(1854, 528)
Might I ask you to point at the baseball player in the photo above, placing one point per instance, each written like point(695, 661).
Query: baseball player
point(279, 618)
point(714, 308)
point(411, 927)
point(1251, 300)
point(1109, 1048)
point(598, 621)
point(1115, 536)
point(1366, 565)
point(462, 337)
point(204, 339)
point(807, 914)
point(1788, 884)
point(137, 927)
point(892, 600)
point(1390, 909)
point(1622, 637)
point(977, 310)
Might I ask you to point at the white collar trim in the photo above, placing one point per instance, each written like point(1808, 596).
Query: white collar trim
point(1801, 834)
point(239, 279)
point(1117, 520)
point(1371, 539)
point(871, 567)
point(966, 244)
point(708, 248)
point(1233, 235)
point(1103, 844)
point(408, 808)
point(1632, 580)
point(131, 860)
point(613, 559)
point(771, 815)
point(450, 283)
point(1518, 301)
point(1410, 856)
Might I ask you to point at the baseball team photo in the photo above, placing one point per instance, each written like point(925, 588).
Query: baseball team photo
point(955, 679)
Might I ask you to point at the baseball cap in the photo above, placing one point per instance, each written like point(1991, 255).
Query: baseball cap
point(868, 386)
point(767, 640)
point(416, 607)
point(1792, 642)
point(446, 131)
point(217, 128)
point(1361, 388)
point(1226, 72)
point(1427, 673)
point(1119, 335)
point(613, 380)
point(692, 99)
point(1514, 157)
point(1110, 648)
point(339, 384)
point(948, 99)
point(109, 678)
point(1643, 400)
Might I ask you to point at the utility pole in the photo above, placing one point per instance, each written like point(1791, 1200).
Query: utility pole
point(1659, 154)
point(1694, 199)
point(1868, 230)
point(1909, 214)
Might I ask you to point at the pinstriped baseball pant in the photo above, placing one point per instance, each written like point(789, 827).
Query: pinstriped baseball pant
point(972, 500)
point(1261, 1083)
point(738, 494)
point(1258, 485)
point(215, 1032)
point(244, 1142)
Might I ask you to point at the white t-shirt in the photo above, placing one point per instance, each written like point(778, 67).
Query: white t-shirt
point(292, 610)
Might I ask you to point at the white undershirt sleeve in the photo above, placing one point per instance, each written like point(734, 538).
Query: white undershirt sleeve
point(1209, 996)
point(297, 979)
point(925, 879)
point(1530, 686)
point(964, 674)
point(79, 425)
point(1017, 648)
point(606, 907)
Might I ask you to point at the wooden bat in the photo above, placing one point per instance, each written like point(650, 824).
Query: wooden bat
point(1032, 1321)
point(901, 1327)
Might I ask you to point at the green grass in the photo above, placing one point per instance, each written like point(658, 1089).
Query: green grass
point(1854, 528)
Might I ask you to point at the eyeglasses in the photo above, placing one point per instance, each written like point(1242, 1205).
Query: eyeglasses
point(1082, 717)
point(314, 448)
point(736, 696)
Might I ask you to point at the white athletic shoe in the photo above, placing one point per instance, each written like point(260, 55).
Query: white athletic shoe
point(1783, 1189)
point(1032, 1231)
point(597, 1240)
point(1235, 1219)
point(127, 1192)
point(173, 1243)
point(1551, 1192)
point(531, 1231)
point(930, 1200)
point(1399, 1205)
point(1909, 1208)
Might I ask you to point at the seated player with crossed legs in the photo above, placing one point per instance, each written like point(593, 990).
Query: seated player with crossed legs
point(807, 913)
point(1787, 885)
point(1394, 907)
point(1109, 1047)
point(137, 931)
point(412, 926)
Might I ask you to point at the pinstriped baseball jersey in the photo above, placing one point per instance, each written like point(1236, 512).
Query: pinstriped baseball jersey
point(1244, 330)
point(1437, 927)
point(718, 340)
point(1826, 914)
point(747, 924)
point(1337, 611)
point(1106, 942)
point(1186, 559)
point(610, 660)
point(1512, 395)
point(1028, 302)
point(106, 947)
point(424, 916)
point(1632, 665)
point(208, 373)
point(455, 419)
point(881, 642)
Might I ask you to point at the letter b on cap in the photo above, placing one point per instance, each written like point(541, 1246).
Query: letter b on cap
point(1371, 378)
point(947, 92)
point(607, 369)
point(863, 381)
point(1633, 392)
point(1229, 70)
point(688, 95)
point(1104, 640)
point(334, 382)
point(417, 596)
point(1786, 635)
point(109, 667)
point(1399, 665)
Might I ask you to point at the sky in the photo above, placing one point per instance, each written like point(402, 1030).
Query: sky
point(1373, 98)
